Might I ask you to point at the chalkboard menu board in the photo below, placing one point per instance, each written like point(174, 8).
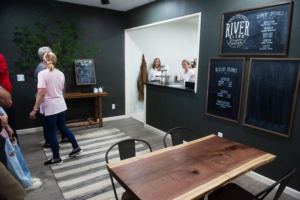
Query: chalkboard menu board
point(256, 31)
point(85, 71)
point(224, 88)
point(271, 94)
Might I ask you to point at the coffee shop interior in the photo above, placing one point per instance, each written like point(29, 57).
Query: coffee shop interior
point(149, 99)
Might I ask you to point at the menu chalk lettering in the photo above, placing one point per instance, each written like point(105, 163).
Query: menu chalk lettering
point(256, 31)
point(224, 88)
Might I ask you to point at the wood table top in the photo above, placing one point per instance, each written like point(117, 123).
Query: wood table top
point(187, 171)
point(78, 95)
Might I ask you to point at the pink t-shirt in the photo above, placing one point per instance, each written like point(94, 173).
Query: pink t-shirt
point(54, 101)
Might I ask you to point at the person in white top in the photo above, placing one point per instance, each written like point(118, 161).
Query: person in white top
point(154, 71)
point(188, 73)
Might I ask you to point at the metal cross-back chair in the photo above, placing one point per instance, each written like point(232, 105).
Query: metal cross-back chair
point(126, 150)
point(233, 191)
point(177, 135)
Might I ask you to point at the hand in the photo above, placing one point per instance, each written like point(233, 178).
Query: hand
point(32, 115)
point(15, 139)
point(9, 130)
point(11, 138)
point(4, 120)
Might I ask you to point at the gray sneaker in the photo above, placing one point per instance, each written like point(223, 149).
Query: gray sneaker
point(34, 186)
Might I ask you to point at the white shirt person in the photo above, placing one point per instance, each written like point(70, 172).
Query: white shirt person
point(188, 73)
point(154, 71)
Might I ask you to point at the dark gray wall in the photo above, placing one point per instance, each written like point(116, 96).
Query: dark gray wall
point(167, 108)
point(105, 27)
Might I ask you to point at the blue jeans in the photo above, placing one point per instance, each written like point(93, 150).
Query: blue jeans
point(45, 134)
point(16, 164)
point(22, 161)
point(53, 121)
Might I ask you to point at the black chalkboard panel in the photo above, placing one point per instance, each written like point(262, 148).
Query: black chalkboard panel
point(256, 31)
point(85, 71)
point(271, 94)
point(224, 88)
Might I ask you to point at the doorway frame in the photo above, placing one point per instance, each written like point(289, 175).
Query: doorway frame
point(127, 58)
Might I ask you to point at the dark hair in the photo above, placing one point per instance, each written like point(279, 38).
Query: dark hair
point(194, 65)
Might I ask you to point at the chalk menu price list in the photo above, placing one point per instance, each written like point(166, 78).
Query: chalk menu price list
point(224, 82)
point(269, 25)
point(257, 31)
point(224, 87)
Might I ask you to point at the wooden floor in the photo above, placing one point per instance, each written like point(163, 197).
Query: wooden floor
point(35, 156)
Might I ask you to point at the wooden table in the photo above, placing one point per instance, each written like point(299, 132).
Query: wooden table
point(187, 171)
point(97, 108)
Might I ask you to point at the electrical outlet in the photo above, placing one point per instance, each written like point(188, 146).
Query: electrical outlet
point(20, 77)
point(220, 134)
point(113, 106)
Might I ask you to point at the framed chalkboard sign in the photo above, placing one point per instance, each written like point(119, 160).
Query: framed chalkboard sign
point(224, 88)
point(271, 94)
point(85, 71)
point(256, 31)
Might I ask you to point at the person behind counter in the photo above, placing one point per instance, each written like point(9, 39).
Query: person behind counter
point(154, 70)
point(194, 66)
point(188, 73)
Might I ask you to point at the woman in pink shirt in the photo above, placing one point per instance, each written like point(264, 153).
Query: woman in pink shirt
point(50, 86)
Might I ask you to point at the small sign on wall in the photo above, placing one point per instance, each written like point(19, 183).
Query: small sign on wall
point(20, 77)
point(85, 71)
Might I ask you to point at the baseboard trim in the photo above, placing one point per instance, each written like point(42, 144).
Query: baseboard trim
point(37, 129)
point(267, 181)
point(154, 129)
point(29, 130)
point(106, 119)
point(136, 114)
point(254, 175)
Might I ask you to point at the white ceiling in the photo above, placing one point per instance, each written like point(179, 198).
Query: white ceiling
point(120, 5)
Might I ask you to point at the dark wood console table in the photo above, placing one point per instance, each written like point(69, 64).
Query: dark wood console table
point(97, 104)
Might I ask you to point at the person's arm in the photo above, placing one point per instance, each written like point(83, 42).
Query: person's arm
point(5, 98)
point(149, 76)
point(192, 74)
point(40, 95)
point(3, 117)
point(2, 111)
point(39, 99)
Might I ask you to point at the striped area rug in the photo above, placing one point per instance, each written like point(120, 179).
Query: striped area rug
point(85, 176)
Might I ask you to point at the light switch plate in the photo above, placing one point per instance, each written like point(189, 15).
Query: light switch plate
point(20, 77)
point(220, 134)
point(113, 106)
